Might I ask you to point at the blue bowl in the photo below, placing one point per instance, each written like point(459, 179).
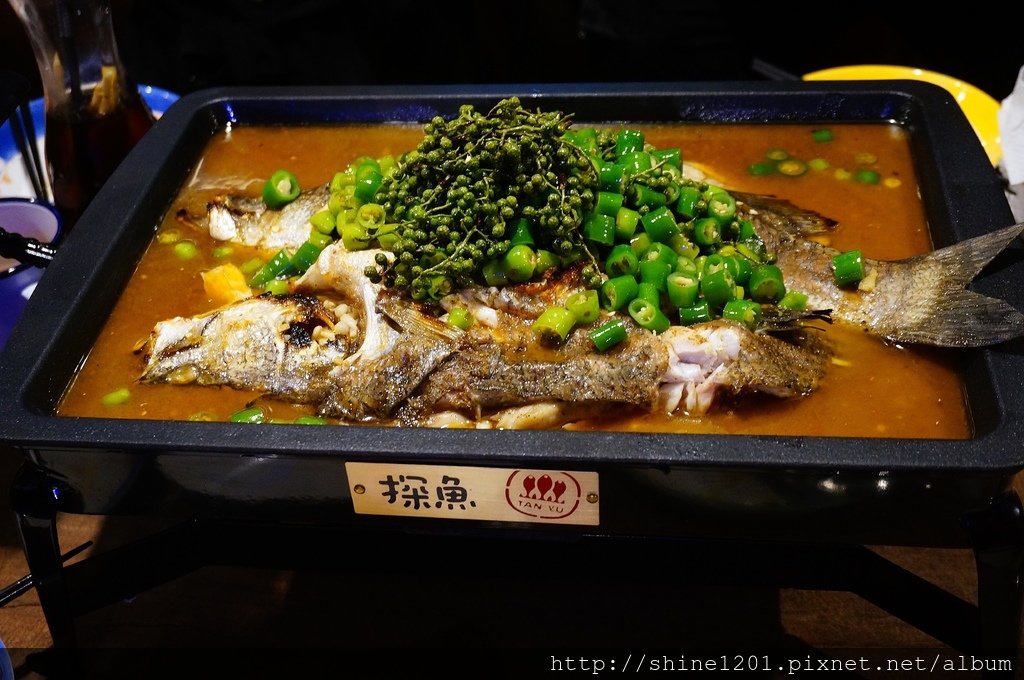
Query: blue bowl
point(34, 219)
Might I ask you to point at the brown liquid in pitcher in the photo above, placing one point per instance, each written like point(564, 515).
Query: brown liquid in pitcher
point(84, 148)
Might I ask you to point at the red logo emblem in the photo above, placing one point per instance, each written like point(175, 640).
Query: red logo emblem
point(544, 494)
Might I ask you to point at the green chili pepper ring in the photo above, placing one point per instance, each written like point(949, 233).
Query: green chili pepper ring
point(281, 189)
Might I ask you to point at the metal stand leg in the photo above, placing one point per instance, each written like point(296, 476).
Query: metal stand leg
point(35, 502)
point(997, 536)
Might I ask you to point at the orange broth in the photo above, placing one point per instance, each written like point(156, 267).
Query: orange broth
point(872, 390)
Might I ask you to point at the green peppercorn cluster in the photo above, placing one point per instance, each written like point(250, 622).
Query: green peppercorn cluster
point(455, 196)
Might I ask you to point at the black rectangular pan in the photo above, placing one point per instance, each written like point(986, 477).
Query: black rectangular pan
point(905, 491)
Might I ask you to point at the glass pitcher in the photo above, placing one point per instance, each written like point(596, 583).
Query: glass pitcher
point(94, 112)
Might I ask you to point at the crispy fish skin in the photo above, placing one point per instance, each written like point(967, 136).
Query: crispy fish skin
point(373, 387)
point(264, 343)
point(493, 373)
point(921, 299)
point(248, 221)
point(689, 368)
point(724, 358)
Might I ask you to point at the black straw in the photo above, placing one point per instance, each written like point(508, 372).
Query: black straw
point(25, 137)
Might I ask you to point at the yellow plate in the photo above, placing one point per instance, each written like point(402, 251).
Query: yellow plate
point(980, 108)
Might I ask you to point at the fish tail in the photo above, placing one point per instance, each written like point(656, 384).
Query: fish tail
point(966, 318)
point(965, 260)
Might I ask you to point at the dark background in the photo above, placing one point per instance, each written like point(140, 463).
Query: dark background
point(185, 45)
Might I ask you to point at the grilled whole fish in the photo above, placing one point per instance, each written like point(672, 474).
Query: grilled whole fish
point(404, 366)
point(248, 221)
point(920, 299)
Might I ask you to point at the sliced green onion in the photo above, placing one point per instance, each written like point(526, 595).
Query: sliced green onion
point(648, 316)
point(186, 250)
point(553, 325)
point(699, 312)
point(621, 260)
point(628, 141)
point(304, 257)
point(626, 220)
point(707, 232)
point(521, 233)
point(545, 260)
point(520, 263)
point(722, 207)
point(460, 318)
point(619, 291)
point(865, 176)
point(253, 414)
point(281, 189)
point(686, 204)
point(682, 289)
point(848, 267)
point(791, 167)
point(276, 287)
point(323, 221)
point(321, 241)
point(746, 312)
point(821, 135)
point(718, 287)
point(608, 334)
point(220, 252)
point(766, 283)
point(584, 305)
point(116, 398)
point(279, 265)
point(654, 272)
point(660, 224)
point(310, 420)
point(600, 229)
point(794, 300)
point(608, 203)
point(252, 266)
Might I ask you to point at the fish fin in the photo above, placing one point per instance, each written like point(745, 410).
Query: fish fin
point(966, 318)
point(778, 319)
point(787, 217)
point(411, 320)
